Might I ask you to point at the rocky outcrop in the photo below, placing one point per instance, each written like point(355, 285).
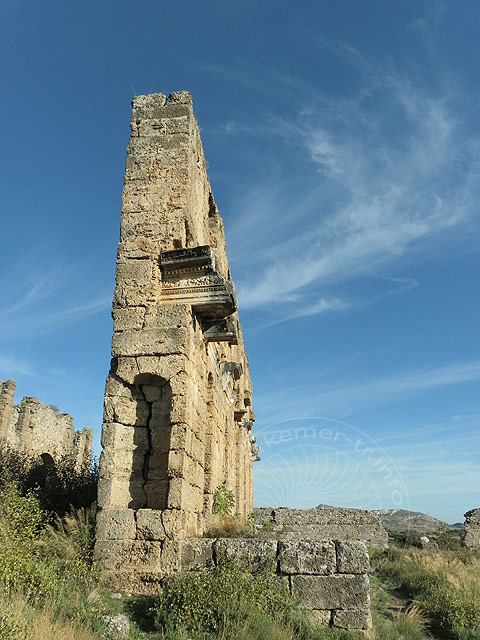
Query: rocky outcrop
point(472, 529)
point(38, 429)
point(329, 577)
point(322, 523)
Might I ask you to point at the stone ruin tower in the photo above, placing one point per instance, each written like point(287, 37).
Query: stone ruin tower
point(41, 431)
point(177, 414)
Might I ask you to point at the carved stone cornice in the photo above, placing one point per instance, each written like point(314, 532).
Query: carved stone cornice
point(190, 277)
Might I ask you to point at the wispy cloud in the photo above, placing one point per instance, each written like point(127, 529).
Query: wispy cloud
point(382, 174)
point(12, 366)
point(39, 302)
point(346, 395)
point(320, 306)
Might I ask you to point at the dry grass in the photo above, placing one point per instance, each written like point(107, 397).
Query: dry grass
point(444, 584)
point(20, 621)
point(226, 527)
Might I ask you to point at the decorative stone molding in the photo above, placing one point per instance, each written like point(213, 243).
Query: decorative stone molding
point(190, 277)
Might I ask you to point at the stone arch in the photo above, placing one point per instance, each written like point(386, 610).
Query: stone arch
point(149, 481)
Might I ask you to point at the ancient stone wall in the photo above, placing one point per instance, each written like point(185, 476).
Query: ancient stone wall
point(472, 529)
point(330, 577)
point(177, 414)
point(36, 429)
point(322, 523)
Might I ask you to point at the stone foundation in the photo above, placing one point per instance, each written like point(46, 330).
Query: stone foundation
point(330, 577)
point(472, 529)
point(37, 429)
point(322, 523)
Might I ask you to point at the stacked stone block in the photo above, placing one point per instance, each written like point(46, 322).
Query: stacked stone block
point(330, 577)
point(177, 413)
point(37, 429)
point(322, 523)
point(472, 529)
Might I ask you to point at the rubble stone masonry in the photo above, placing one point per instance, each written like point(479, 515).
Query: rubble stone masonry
point(38, 429)
point(177, 413)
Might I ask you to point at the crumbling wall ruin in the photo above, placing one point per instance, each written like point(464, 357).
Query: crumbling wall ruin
point(177, 413)
point(472, 529)
point(330, 577)
point(37, 429)
point(322, 523)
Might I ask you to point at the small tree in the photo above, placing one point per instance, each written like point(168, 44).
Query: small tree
point(223, 501)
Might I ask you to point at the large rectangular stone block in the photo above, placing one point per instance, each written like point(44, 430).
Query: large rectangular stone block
point(149, 524)
point(352, 557)
point(308, 557)
point(124, 554)
point(197, 554)
point(150, 341)
point(332, 592)
point(252, 554)
point(352, 619)
point(115, 524)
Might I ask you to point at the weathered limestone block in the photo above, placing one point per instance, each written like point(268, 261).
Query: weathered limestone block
point(197, 554)
point(149, 524)
point(323, 523)
point(253, 554)
point(116, 524)
point(129, 554)
point(332, 592)
point(155, 341)
point(352, 557)
point(352, 619)
point(321, 616)
point(307, 557)
point(472, 529)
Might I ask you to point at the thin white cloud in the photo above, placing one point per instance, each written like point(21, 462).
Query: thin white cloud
point(47, 305)
point(345, 395)
point(394, 168)
point(323, 305)
point(12, 366)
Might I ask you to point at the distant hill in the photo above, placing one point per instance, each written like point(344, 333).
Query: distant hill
point(403, 520)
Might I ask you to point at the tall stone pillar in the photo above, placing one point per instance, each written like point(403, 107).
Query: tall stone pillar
point(7, 392)
point(177, 352)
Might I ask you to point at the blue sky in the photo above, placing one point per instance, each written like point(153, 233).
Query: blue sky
point(343, 143)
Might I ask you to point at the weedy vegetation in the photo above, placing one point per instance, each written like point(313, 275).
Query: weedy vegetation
point(444, 587)
point(50, 587)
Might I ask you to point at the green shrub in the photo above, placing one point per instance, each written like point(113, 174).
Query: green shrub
point(444, 584)
point(59, 485)
point(223, 501)
point(21, 515)
point(203, 602)
point(43, 561)
point(405, 538)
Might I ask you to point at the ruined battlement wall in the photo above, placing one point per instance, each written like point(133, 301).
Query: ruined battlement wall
point(177, 413)
point(472, 529)
point(322, 523)
point(35, 429)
